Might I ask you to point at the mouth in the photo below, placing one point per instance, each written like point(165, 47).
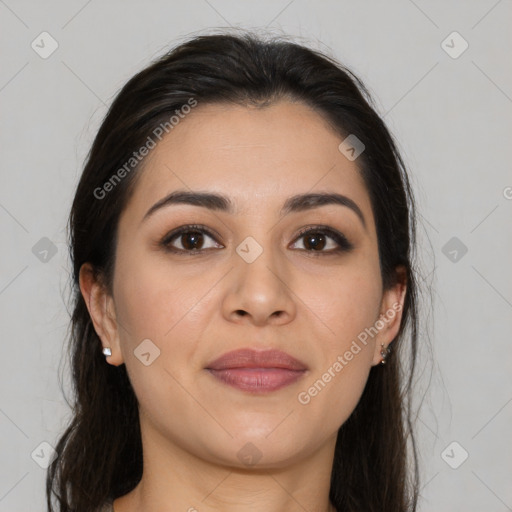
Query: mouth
point(257, 371)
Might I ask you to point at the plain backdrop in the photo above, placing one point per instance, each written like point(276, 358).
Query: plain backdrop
point(441, 78)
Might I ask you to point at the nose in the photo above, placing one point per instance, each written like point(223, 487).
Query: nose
point(260, 292)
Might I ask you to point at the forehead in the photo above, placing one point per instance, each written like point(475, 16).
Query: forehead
point(258, 157)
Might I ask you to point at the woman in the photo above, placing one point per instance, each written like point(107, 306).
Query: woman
point(242, 239)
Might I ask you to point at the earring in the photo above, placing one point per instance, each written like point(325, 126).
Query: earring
point(107, 351)
point(384, 353)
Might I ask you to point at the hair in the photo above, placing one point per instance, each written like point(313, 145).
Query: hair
point(99, 456)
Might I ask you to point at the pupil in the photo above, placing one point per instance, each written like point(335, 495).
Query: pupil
point(191, 240)
point(318, 241)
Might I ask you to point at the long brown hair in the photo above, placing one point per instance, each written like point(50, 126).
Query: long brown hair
point(99, 456)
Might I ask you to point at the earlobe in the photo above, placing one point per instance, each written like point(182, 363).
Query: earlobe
point(99, 305)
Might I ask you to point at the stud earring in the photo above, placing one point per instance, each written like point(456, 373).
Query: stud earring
point(384, 353)
point(107, 351)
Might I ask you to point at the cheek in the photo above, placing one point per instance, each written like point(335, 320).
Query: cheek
point(155, 303)
point(328, 399)
point(347, 302)
point(151, 298)
point(169, 306)
point(331, 393)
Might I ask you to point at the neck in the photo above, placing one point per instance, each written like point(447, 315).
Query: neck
point(172, 475)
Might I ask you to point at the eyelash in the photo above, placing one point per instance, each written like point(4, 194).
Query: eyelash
point(343, 244)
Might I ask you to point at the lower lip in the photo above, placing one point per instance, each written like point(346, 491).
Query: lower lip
point(257, 380)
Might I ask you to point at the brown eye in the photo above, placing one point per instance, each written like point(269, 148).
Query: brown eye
point(189, 239)
point(314, 241)
point(323, 240)
point(192, 240)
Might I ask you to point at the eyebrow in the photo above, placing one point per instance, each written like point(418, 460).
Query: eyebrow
point(297, 203)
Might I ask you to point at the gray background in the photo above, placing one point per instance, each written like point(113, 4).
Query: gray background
point(450, 115)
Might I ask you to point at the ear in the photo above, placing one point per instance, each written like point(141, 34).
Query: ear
point(390, 317)
point(102, 311)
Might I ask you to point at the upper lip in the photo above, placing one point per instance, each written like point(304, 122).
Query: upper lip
point(250, 358)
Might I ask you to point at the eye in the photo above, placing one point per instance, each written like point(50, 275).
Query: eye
point(318, 238)
point(191, 238)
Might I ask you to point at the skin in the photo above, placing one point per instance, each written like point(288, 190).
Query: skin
point(189, 306)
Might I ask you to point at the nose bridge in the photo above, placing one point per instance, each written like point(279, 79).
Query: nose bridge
point(256, 262)
point(259, 288)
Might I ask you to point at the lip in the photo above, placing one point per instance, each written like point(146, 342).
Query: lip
point(257, 371)
point(250, 358)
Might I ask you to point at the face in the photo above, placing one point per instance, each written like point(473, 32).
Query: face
point(247, 277)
